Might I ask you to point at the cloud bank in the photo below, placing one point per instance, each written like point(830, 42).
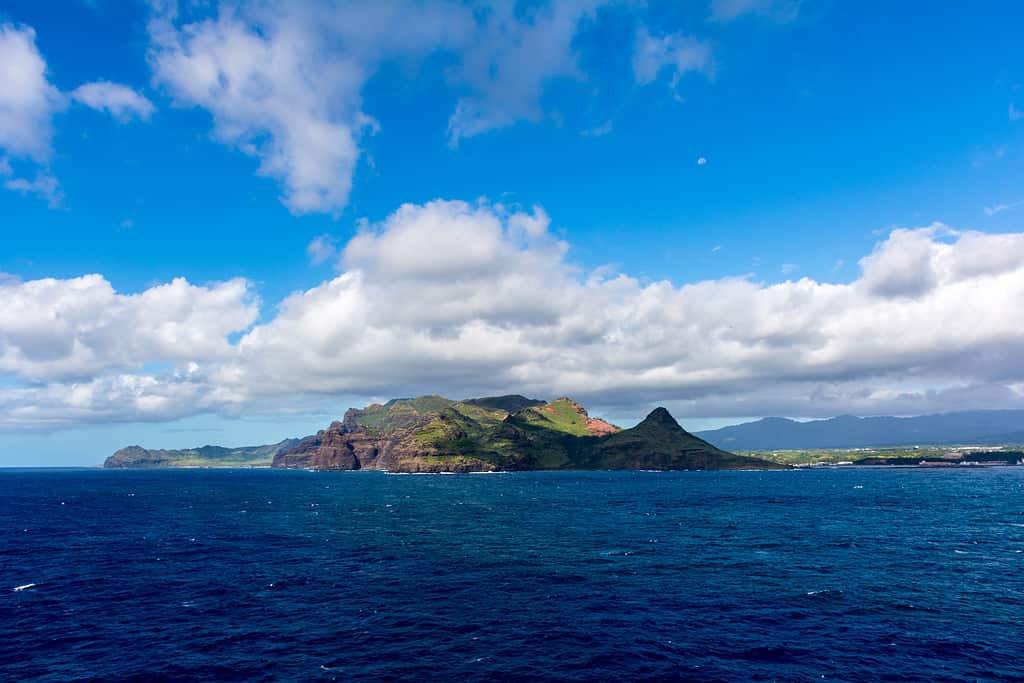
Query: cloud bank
point(472, 298)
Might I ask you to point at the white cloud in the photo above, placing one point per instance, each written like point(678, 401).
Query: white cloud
point(776, 10)
point(788, 269)
point(27, 100)
point(514, 53)
point(119, 101)
point(468, 299)
point(43, 185)
point(321, 248)
point(275, 94)
point(283, 80)
point(701, 161)
point(1015, 114)
point(28, 104)
point(903, 271)
point(113, 398)
point(999, 208)
point(80, 328)
point(676, 54)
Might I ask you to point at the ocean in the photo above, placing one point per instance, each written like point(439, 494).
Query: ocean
point(263, 575)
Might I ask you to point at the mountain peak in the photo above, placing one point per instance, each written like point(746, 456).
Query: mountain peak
point(661, 416)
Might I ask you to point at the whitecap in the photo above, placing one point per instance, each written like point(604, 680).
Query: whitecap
point(18, 589)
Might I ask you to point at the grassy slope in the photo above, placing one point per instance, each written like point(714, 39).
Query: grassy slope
point(555, 436)
point(660, 443)
point(401, 413)
point(561, 415)
point(503, 431)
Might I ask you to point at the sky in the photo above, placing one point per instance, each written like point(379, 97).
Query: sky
point(227, 222)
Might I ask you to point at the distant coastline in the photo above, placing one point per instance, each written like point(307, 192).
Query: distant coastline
point(433, 434)
point(514, 433)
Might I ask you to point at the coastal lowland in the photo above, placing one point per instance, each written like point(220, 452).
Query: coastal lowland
point(433, 434)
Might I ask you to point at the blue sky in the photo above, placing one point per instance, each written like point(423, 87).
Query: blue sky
point(769, 142)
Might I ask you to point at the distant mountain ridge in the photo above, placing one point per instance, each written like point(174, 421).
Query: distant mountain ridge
point(436, 434)
point(203, 456)
point(847, 431)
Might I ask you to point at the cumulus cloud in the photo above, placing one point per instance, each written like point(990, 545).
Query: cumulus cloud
point(473, 298)
point(676, 54)
point(79, 328)
point(27, 100)
point(113, 398)
point(28, 104)
point(276, 94)
point(119, 101)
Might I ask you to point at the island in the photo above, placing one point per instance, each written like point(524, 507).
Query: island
point(433, 434)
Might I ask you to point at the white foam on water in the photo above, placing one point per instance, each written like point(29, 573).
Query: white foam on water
point(18, 589)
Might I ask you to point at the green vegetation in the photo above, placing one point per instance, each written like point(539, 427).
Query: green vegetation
point(905, 455)
point(400, 413)
point(561, 415)
point(509, 404)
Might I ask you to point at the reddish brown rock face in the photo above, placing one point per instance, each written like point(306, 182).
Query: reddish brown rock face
point(598, 427)
point(334, 448)
point(348, 446)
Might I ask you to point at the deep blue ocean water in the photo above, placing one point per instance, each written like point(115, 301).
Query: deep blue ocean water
point(277, 575)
